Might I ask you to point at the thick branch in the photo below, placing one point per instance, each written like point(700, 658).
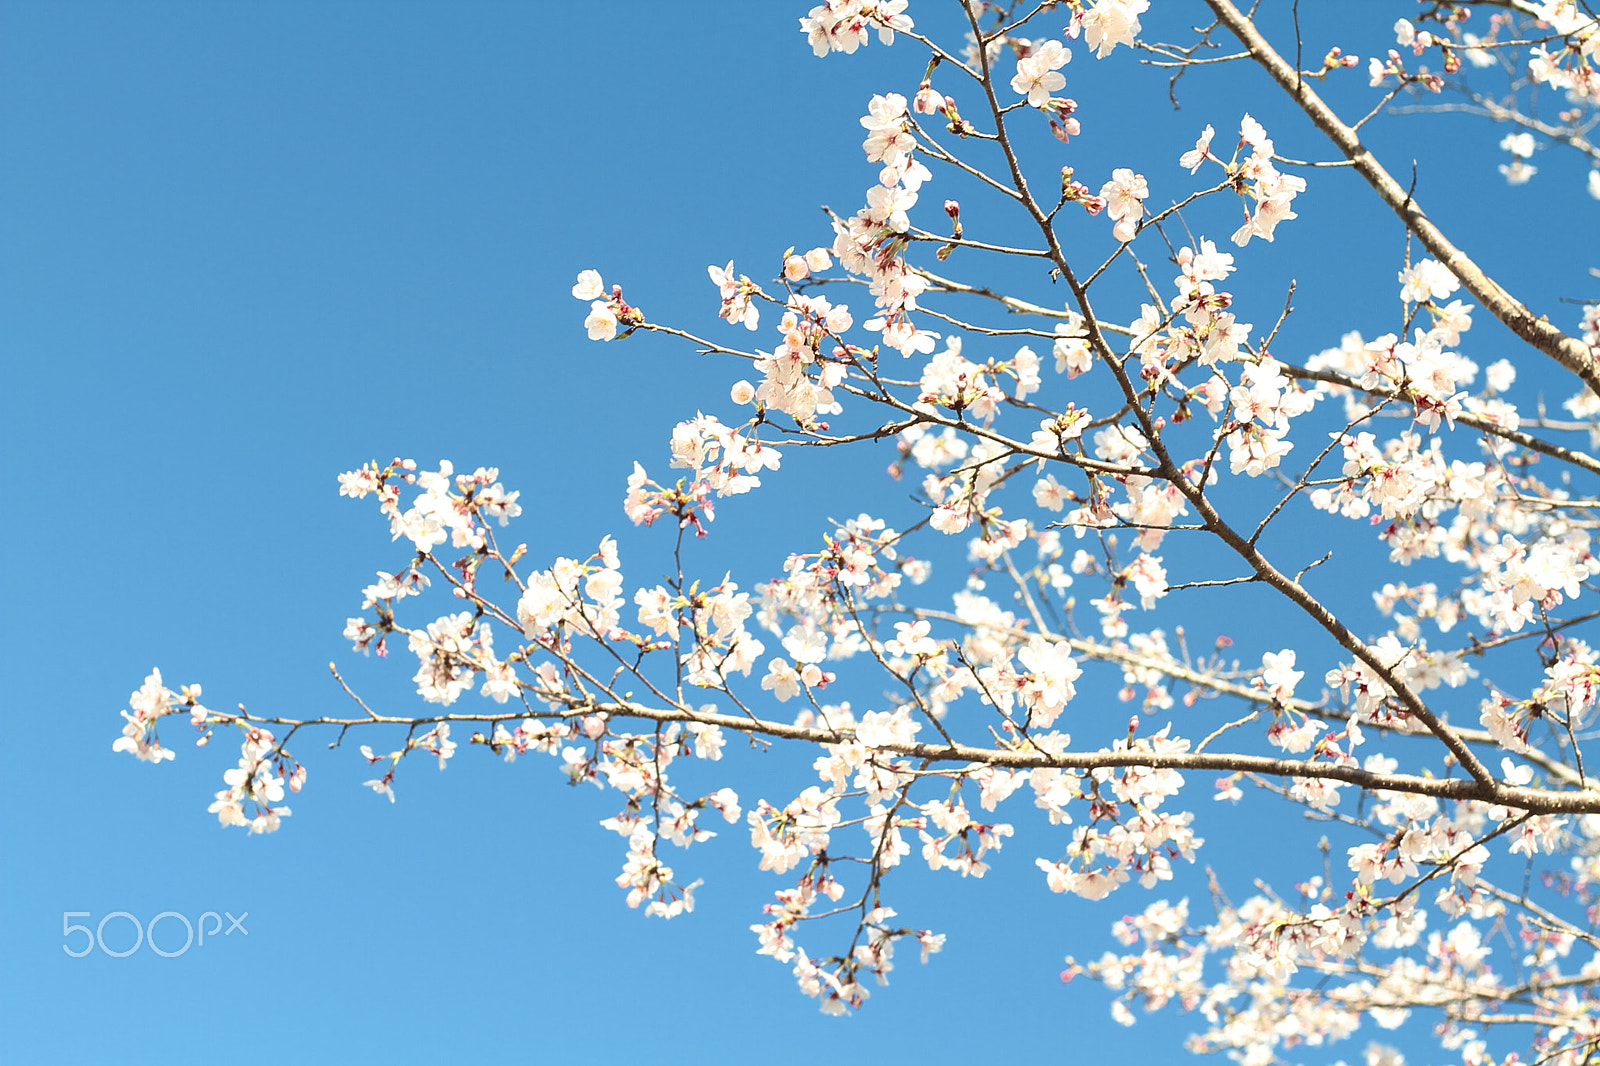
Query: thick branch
point(1533, 800)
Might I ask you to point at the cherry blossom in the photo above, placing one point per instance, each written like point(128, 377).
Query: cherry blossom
point(1124, 195)
point(1038, 73)
point(601, 323)
point(1426, 691)
point(1427, 280)
point(1110, 23)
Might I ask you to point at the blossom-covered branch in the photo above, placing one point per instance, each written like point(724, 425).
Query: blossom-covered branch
point(1152, 451)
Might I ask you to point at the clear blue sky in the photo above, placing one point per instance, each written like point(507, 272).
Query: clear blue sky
point(244, 247)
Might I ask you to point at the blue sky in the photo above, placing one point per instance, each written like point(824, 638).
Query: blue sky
point(250, 246)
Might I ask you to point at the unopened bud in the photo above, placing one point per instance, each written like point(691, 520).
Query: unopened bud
point(927, 101)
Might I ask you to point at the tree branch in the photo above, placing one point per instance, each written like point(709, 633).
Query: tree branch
point(1570, 352)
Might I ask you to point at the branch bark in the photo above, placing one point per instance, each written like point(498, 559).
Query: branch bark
point(1023, 757)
